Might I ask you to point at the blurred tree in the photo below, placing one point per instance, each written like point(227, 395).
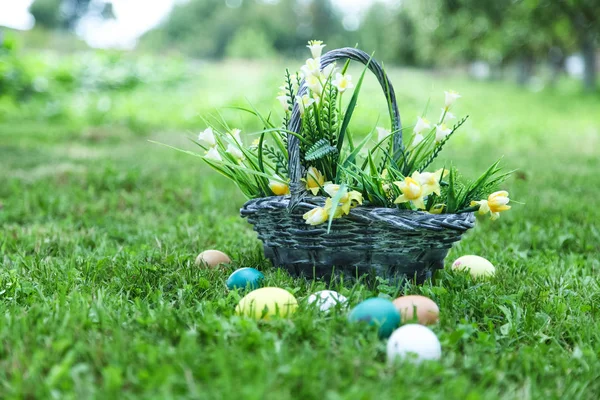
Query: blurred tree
point(583, 18)
point(518, 30)
point(72, 11)
point(46, 13)
point(206, 28)
point(54, 14)
point(249, 43)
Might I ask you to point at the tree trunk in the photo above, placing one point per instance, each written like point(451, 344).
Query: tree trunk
point(588, 50)
point(525, 69)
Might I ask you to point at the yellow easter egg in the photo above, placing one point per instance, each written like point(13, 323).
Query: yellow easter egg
point(267, 302)
point(477, 266)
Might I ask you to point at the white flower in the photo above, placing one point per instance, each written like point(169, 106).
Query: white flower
point(314, 84)
point(311, 68)
point(207, 137)
point(329, 70)
point(441, 131)
point(382, 133)
point(316, 216)
point(236, 135)
point(331, 189)
point(451, 97)
point(316, 47)
point(448, 115)
point(422, 125)
point(417, 139)
point(213, 154)
point(343, 82)
point(304, 102)
point(283, 99)
point(235, 151)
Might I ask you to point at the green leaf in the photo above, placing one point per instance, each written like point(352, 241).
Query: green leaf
point(350, 109)
point(451, 200)
point(260, 152)
point(319, 150)
point(335, 201)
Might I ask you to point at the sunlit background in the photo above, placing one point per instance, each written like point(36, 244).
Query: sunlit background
point(542, 39)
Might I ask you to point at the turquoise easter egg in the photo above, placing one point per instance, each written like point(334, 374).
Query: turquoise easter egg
point(245, 278)
point(377, 311)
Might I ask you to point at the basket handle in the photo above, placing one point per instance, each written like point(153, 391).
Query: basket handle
point(295, 169)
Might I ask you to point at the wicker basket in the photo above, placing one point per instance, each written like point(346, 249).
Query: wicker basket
point(388, 242)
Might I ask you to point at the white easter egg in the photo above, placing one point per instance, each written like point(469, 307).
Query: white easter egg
point(327, 299)
point(413, 342)
point(475, 265)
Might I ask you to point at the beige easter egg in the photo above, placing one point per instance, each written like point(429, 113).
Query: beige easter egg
point(212, 258)
point(267, 302)
point(477, 266)
point(427, 312)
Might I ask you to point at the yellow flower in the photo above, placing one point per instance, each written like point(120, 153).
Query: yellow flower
point(347, 202)
point(411, 191)
point(279, 188)
point(495, 204)
point(316, 216)
point(354, 199)
point(430, 181)
point(329, 206)
point(331, 189)
point(314, 180)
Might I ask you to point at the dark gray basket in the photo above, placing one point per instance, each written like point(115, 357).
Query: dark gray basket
point(387, 242)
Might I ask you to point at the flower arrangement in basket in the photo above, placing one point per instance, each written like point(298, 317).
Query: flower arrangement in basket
point(321, 202)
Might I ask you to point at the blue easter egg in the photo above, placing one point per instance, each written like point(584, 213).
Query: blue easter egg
point(245, 278)
point(377, 311)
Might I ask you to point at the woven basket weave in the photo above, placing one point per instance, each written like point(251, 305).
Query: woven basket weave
point(387, 242)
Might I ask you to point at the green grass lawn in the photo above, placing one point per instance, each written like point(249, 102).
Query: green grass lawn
point(100, 298)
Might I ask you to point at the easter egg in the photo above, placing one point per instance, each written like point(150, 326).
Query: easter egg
point(267, 302)
point(245, 278)
point(212, 258)
point(422, 308)
point(327, 299)
point(415, 343)
point(477, 266)
point(377, 311)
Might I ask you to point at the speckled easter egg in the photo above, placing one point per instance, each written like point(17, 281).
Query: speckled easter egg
point(477, 266)
point(327, 299)
point(413, 342)
point(245, 278)
point(423, 308)
point(267, 302)
point(212, 258)
point(377, 311)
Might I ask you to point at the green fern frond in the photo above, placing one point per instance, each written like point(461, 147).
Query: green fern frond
point(319, 150)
